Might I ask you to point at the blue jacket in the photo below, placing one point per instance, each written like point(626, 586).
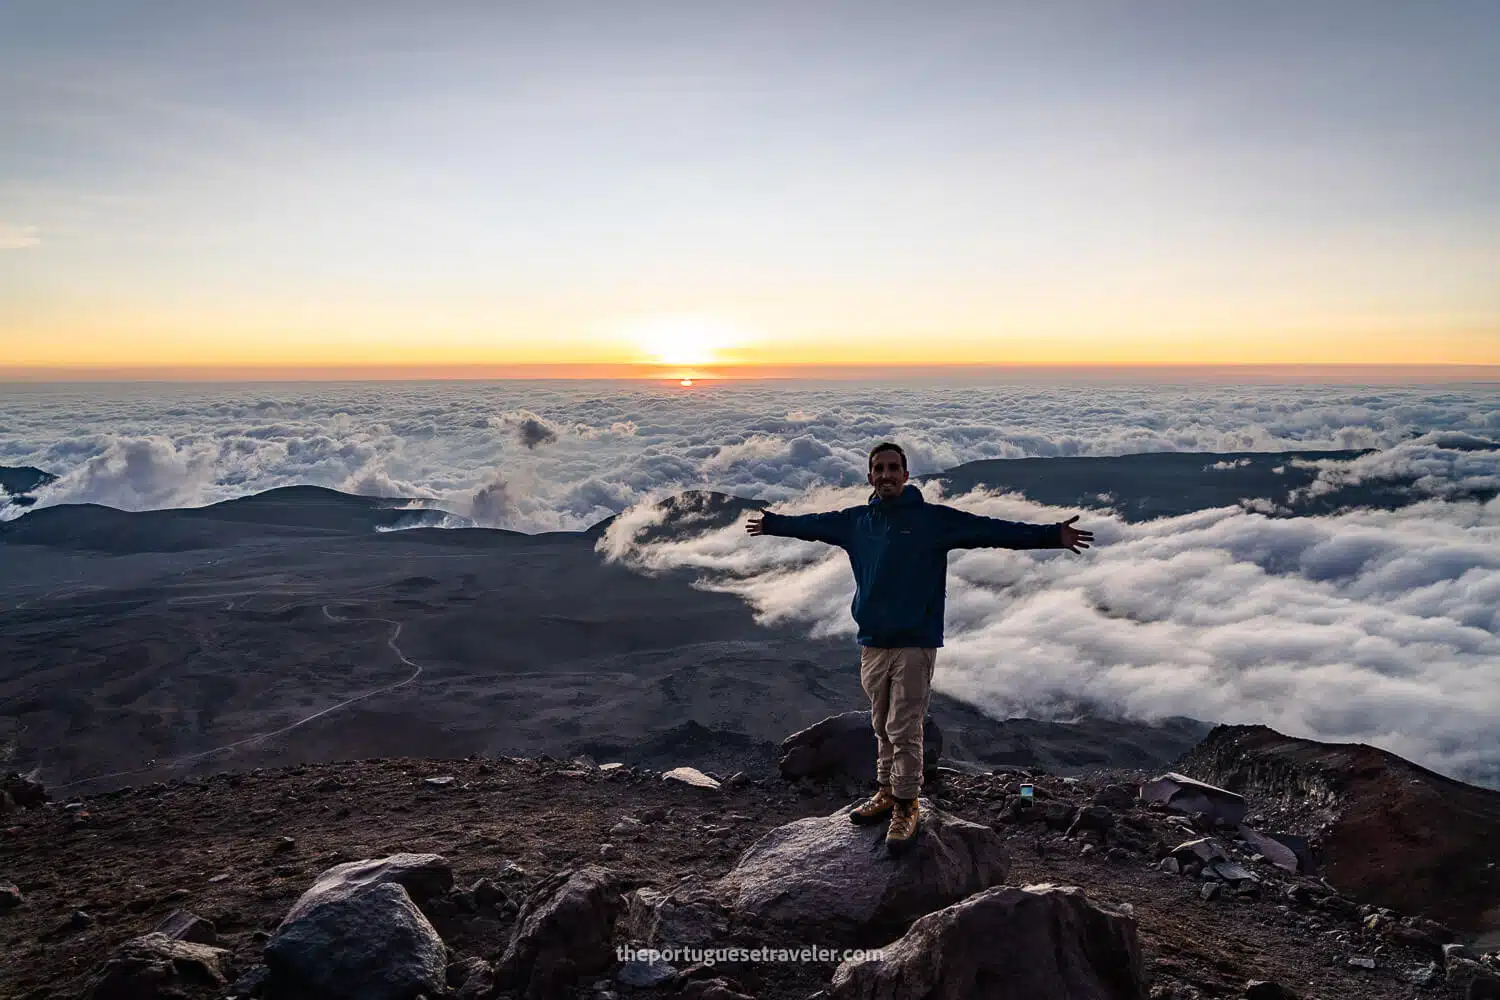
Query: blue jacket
point(899, 551)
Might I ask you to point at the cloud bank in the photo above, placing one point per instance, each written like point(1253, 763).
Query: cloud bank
point(571, 454)
point(1380, 627)
point(1371, 626)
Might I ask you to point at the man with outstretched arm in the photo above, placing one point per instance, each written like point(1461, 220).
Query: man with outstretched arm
point(898, 546)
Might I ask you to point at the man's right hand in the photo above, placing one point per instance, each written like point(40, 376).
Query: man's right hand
point(757, 524)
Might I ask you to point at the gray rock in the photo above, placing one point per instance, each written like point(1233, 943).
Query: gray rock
point(564, 932)
point(423, 876)
point(487, 893)
point(446, 781)
point(471, 979)
point(1210, 891)
point(842, 747)
point(153, 965)
point(1096, 818)
point(690, 776)
point(1424, 975)
point(688, 915)
point(1116, 797)
point(1472, 980)
point(1454, 950)
point(826, 875)
point(1170, 865)
point(180, 925)
point(643, 975)
point(717, 988)
point(252, 983)
point(10, 896)
point(371, 943)
point(1204, 849)
point(1213, 805)
point(1361, 962)
point(1273, 850)
point(1058, 945)
point(357, 932)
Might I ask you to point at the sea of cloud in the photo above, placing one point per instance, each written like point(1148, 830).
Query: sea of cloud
point(1373, 626)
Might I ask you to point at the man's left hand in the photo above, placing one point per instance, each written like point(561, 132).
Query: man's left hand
point(1072, 538)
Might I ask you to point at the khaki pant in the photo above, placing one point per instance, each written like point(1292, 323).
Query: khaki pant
point(898, 682)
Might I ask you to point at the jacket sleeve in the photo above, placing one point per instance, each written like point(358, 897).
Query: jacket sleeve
point(832, 527)
point(958, 529)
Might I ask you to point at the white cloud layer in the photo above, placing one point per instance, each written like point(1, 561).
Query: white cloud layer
point(1372, 626)
point(1380, 627)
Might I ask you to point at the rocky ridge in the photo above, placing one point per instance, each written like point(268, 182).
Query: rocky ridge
point(521, 877)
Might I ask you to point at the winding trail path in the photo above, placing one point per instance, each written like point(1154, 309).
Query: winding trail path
point(258, 737)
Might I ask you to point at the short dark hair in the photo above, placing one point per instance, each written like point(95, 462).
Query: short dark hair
point(887, 446)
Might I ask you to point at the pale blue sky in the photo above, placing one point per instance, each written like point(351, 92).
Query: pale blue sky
point(816, 170)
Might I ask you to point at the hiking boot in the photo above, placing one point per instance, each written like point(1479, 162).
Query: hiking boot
point(873, 809)
point(905, 816)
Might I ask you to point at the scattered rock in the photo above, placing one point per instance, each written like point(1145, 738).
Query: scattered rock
point(1424, 975)
point(475, 979)
point(10, 896)
point(1116, 797)
point(1275, 850)
point(1170, 865)
point(155, 965)
point(486, 893)
point(688, 915)
point(823, 873)
point(1181, 794)
point(180, 925)
point(563, 932)
point(1058, 946)
point(690, 776)
point(1472, 980)
point(717, 988)
point(644, 975)
point(446, 781)
point(1361, 962)
point(1210, 891)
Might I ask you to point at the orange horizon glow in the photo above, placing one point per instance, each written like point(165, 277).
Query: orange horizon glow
point(687, 377)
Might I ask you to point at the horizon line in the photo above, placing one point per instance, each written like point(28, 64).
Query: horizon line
point(583, 371)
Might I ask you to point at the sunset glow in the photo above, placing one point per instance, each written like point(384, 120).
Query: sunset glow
point(491, 187)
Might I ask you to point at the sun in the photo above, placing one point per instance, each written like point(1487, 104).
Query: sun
point(688, 341)
point(686, 382)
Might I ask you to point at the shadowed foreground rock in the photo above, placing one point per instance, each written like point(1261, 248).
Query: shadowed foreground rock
point(1042, 942)
point(358, 933)
point(825, 875)
point(563, 932)
point(156, 965)
point(842, 747)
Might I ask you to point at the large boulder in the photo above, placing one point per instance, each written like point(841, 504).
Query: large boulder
point(825, 875)
point(563, 932)
point(156, 965)
point(842, 748)
point(357, 933)
point(1038, 943)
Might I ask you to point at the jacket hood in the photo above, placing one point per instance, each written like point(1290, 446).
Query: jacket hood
point(910, 497)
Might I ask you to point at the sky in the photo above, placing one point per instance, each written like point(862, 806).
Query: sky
point(286, 186)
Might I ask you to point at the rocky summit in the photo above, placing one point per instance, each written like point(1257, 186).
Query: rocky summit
point(1229, 875)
